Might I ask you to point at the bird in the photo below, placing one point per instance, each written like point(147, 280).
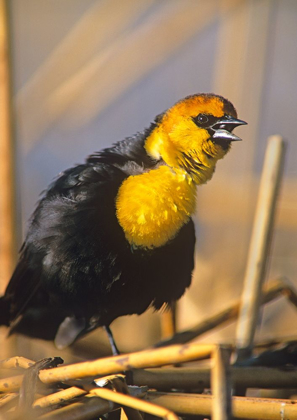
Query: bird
point(114, 235)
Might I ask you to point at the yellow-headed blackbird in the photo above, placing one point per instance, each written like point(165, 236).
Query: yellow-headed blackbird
point(114, 235)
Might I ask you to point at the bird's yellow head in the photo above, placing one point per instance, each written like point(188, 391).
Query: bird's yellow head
point(194, 134)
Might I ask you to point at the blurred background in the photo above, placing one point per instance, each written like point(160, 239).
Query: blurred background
point(78, 75)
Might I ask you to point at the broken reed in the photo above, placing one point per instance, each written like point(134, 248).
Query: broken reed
point(81, 403)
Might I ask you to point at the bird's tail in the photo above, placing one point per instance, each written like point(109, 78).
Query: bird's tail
point(4, 311)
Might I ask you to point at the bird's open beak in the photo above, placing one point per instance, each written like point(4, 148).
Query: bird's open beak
point(223, 128)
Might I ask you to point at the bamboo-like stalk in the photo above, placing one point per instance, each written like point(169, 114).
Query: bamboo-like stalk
point(6, 400)
point(116, 364)
point(242, 407)
point(16, 362)
point(118, 384)
point(8, 248)
point(7, 192)
point(220, 384)
point(59, 397)
point(168, 321)
point(259, 245)
point(127, 400)
point(290, 293)
point(270, 292)
point(173, 378)
point(11, 384)
point(86, 409)
point(199, 378)
point(67, 395)
point(195, 378)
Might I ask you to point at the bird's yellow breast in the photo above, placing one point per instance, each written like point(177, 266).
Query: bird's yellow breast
point(153, 206)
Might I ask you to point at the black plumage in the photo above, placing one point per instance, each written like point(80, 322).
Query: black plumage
point(114, 235)
point(75, 261)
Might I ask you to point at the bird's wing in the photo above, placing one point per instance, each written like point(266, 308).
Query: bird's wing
point(57, 229)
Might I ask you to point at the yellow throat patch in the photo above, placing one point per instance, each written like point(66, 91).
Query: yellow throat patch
point(152, 207)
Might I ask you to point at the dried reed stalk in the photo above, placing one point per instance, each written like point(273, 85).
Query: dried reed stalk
point(221, 384)
point(16, 362)
point(7, 400)
point(199, 378)
point(87, 408)
point(259, 245)
point(118, 383)
point(11, 384)
point(93, 406)
point(127, 400)
point(271, 291)
point(242, 407)
point(116, 364)
point(168, 321)
point(59, 397)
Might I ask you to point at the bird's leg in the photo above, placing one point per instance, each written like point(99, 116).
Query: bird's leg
point(116, 352)
point(114, 349)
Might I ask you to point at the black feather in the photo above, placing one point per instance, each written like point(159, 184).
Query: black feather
point(75, 262)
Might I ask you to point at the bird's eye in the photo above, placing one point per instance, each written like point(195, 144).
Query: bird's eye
point(204, 120)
